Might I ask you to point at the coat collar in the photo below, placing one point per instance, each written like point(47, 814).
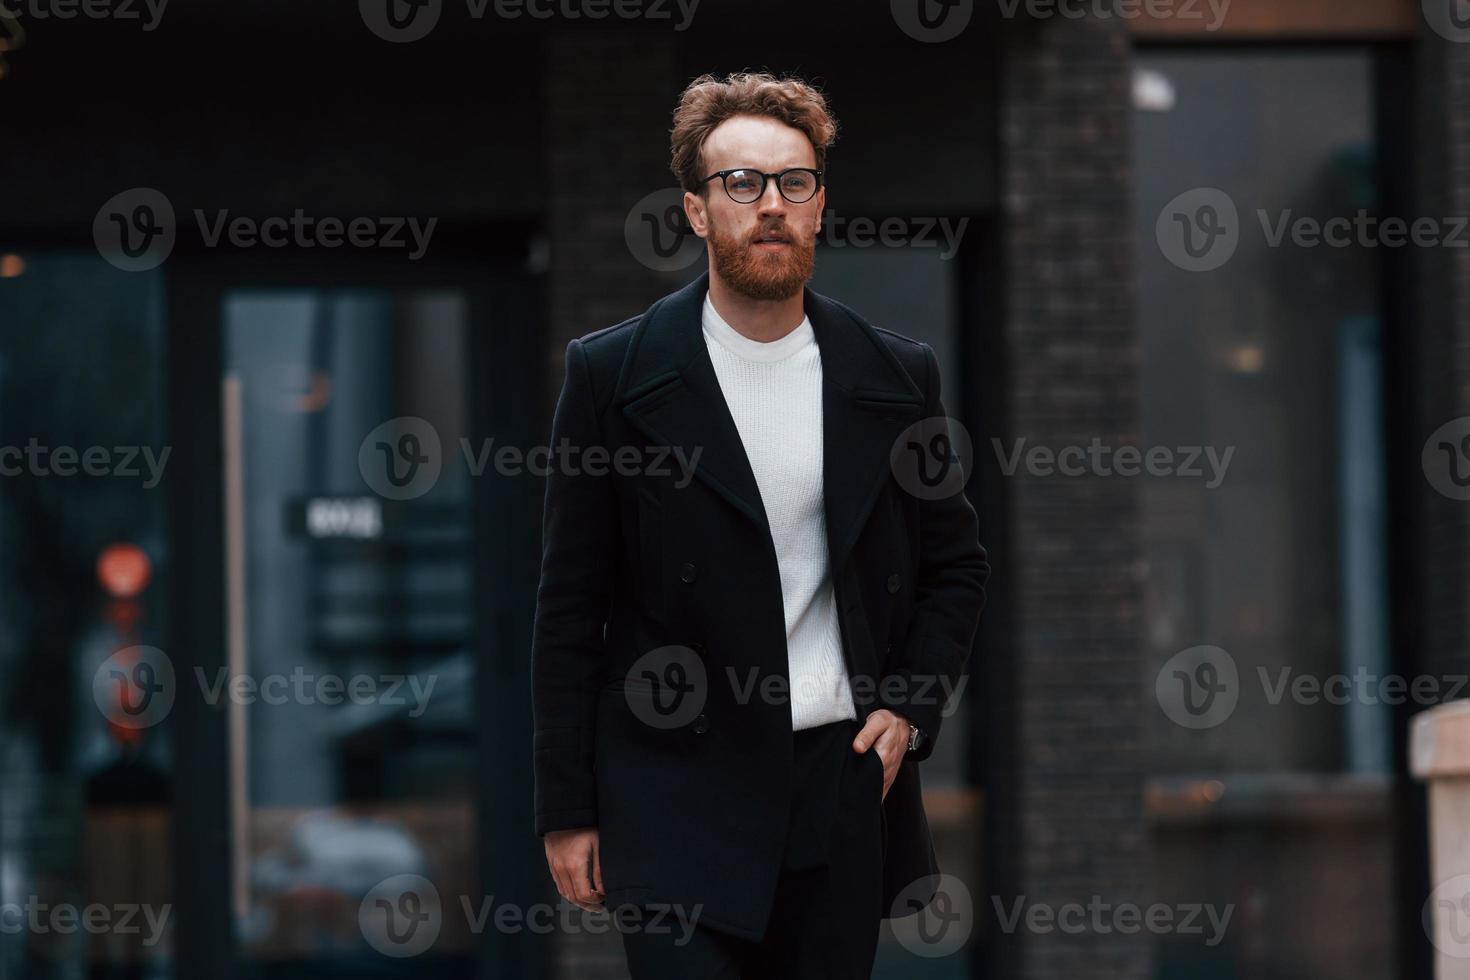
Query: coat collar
point(668, 389)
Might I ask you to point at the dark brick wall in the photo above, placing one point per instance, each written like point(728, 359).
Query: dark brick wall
point(1442, 371)
point(1073, 374)
point(609, 102)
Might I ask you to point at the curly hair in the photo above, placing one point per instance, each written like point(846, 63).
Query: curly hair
point(708, 101)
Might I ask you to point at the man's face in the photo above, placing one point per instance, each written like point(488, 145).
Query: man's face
point(764, 249)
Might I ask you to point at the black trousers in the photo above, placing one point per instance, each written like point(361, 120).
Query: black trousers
point(828, 906)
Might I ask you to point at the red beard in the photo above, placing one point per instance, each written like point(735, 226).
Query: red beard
point(763, 275)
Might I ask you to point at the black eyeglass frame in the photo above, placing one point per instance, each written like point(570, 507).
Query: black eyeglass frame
point(723, 175)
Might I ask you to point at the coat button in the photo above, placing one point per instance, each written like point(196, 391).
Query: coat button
point(893, 581)
point(686, 574)
point(701, 725)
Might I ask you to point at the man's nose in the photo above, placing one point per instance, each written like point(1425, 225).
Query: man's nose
point(772, 203)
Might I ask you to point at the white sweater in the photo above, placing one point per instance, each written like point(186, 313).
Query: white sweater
point(774, 392)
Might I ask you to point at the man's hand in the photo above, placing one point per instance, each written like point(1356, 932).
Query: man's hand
point(888, 734)
point(575, 860)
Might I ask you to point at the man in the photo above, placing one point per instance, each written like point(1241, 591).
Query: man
point(737, 670)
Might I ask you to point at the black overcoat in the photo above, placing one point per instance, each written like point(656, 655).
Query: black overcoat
point(657, 582)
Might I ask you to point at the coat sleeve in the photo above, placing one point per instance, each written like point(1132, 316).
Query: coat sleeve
point(579, 550)
point(949, 593)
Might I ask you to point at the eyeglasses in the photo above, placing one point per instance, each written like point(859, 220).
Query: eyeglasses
point(797, 184)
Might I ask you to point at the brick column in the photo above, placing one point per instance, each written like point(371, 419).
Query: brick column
point(1077, 650)
point(1442, 371)
point(610, 96)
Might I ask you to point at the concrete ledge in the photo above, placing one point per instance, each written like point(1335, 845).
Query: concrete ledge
point(1439, 741)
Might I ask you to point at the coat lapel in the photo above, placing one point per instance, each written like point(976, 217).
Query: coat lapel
point(669, 391)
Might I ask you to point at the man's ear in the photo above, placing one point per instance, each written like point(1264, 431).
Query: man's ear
point(694, 211)
point(821, 205)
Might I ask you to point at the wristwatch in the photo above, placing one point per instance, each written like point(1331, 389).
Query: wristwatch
point(916, 738)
